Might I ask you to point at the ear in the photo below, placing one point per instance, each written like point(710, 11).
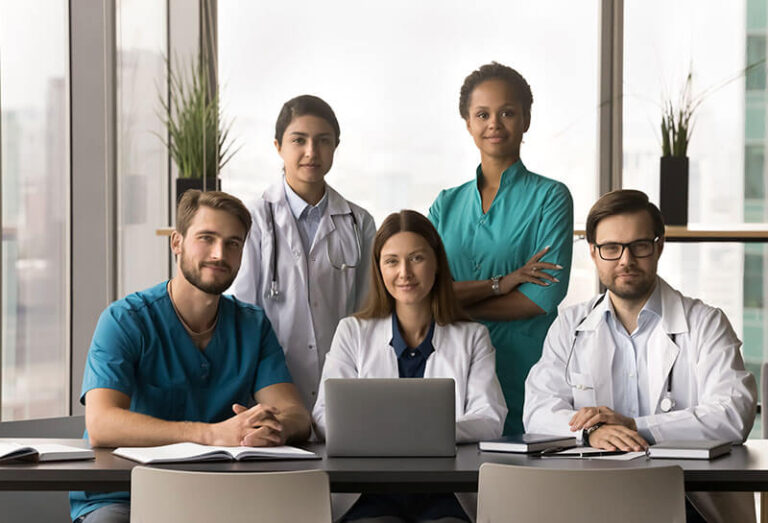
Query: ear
point(661, 245)
point(277, 145)
point(593, 252)
point(468, 129)
point(176, 241)
point(527, 121)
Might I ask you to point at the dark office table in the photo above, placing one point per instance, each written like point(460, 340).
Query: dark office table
point(744, 469)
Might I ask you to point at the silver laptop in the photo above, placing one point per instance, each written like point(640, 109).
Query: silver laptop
point(390, 417)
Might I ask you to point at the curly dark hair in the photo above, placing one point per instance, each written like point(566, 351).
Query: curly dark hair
point(495, 71)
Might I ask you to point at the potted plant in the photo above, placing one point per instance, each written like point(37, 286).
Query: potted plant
point(676, 127)
point(198, 137)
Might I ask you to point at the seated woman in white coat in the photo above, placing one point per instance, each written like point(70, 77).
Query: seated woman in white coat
point(412, 327)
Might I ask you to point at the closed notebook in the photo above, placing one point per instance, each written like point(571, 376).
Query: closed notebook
point(690, 449)
point(42, 452)
point(525, 443)
point(179, 452)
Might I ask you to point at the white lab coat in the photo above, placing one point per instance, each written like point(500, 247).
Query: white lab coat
point(715, 398)
point(314, 295)
point(462, 351)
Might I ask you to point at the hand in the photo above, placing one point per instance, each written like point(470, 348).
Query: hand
point(617, 437)
point(268, 433)
point(588, 416)
point(257, 426)
point(531, 272)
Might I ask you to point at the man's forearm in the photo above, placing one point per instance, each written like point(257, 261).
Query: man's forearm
point(118, 427)
point(296, 424)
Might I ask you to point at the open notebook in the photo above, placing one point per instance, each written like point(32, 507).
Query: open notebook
point(179, 452)
point(42, 452)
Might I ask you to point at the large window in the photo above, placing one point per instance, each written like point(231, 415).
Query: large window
point(724, 48)
point(142, 161)
point(34, 104)
point(392, 72)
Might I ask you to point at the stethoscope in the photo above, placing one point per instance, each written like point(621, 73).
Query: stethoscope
point(274, 286)
point(666, 404)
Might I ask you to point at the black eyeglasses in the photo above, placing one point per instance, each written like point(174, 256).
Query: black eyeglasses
point(611, 251)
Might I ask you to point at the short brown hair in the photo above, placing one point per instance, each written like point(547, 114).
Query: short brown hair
point(193, 199)
point(495, 71)
point(379, 304)
point(623, 201)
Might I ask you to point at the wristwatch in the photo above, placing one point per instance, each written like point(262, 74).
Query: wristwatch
point(495, 287)
point(589, 430)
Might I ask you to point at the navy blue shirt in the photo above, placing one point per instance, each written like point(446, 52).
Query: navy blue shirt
point(411, 362)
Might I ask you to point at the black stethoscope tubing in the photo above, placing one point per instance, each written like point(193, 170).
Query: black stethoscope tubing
point(274, 286)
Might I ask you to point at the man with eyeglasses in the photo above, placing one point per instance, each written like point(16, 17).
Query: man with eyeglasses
point(641, 363)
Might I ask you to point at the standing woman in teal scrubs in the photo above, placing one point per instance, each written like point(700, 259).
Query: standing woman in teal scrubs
point(508, 233)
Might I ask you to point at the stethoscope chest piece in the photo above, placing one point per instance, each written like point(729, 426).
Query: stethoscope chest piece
point(667, 403)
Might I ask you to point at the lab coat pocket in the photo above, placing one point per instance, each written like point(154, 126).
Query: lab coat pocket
point(583, 390)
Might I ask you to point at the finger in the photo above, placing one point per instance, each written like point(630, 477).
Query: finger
point(238, 409)
point(261, 437)
point(536, 257)
point(546, 276)
point(628, 439)
point(577, 422)
point(537, 281)
point(549, 266)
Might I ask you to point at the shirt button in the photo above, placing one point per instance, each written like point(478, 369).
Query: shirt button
point(297, 254)
point(311, 347)
point(313, 258)
point(314, 393)
point(631, 374)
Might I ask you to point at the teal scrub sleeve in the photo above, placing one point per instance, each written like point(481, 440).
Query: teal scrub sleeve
point(271, 367)
point(112, 356)
point(555, 230)
point(434, 210)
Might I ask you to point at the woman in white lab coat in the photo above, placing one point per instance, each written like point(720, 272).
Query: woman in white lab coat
point(412, 326)
point(305, 261)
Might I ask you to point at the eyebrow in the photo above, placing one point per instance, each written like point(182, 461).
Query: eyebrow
point(297, 133)
point(214, 233)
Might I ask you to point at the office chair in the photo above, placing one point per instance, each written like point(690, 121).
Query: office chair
point(160, 496)
point(536, 494)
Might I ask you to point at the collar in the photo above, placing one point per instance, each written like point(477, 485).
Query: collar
point(511, 174)
point(298, 205)
point(336, 204)
point(398, 343)
point(667, 303)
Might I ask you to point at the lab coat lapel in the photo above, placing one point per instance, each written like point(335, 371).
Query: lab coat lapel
point(601, 363)
point(600, 349)
point(287, 233)
point(662, 351)
point(336, 206)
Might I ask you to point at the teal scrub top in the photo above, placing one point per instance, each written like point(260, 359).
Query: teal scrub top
point(528, 213)
point(141, 349)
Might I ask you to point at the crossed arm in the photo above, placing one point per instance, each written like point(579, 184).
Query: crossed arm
point(278, 417)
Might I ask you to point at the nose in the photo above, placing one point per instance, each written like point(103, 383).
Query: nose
point(493, 120)
point(217, 250)
point(626, 257)
point(405, 270)
point(309, 149)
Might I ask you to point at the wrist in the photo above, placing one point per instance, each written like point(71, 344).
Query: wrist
point(495, 282)
point(588, 431)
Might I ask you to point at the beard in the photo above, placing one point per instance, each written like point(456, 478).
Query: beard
point(192, 273)
point(641, 288)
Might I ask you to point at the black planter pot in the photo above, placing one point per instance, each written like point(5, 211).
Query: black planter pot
point(674, 190)
point(185, 184)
